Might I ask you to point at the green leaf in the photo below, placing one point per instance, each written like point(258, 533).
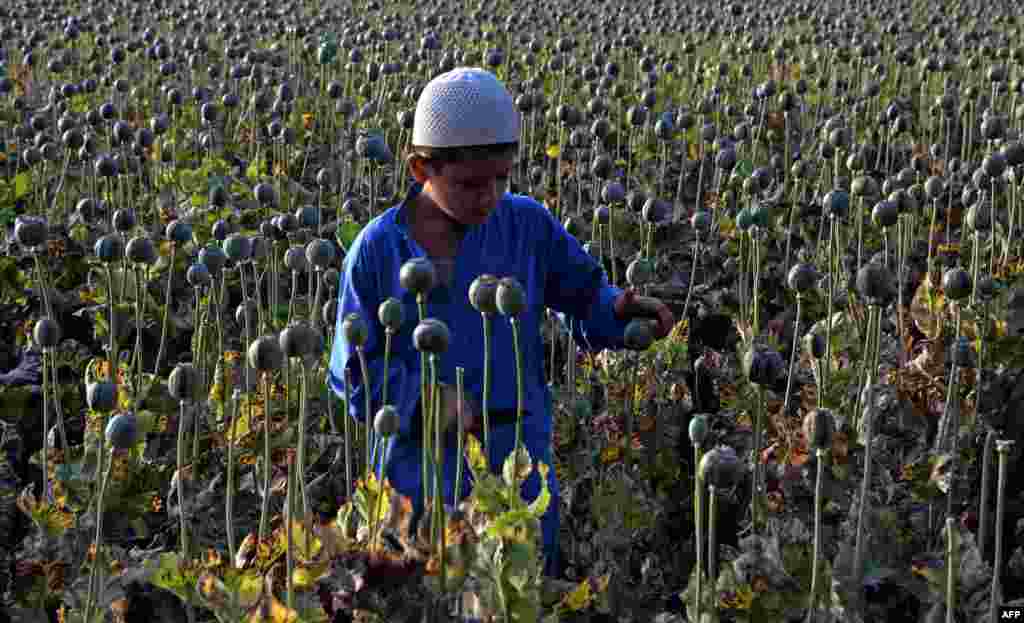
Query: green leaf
point(346, 233)
point(173, 575)
point(7, 216)
point(21, 184)
point(254, 168)
point(743, 169)
point(540, 505)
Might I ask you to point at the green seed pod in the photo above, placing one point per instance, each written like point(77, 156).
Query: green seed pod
point(46, 332)
point(122, 431)
point(814, 343)
point(353, 327)
point(183, 383)
point(418, 276)
point(431, 336)
point(386, 423)
point(875, 283)
point(613, 192)
point(198, 276)
point(639, 334)
point(265, 354)
point(140, 250)
point(956, 283)
point(819, 425)
point(720, 468)
point(178, 232)
point(699, 429)
point(213, 258)
point(885, 213)
point(865, 187)
point(763, 366)
point(109, 249)
point(582, 409)
point(319, 253)
point(295, 259)
point(101, 396)
point(30, 231)
point(237, 248)
point(483, 294)
point(391, 314)
point(801, 278)
point(510, 297)
point(297, 340)
point(639, 272)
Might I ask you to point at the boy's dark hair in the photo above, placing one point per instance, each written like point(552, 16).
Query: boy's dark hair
point(445, 155)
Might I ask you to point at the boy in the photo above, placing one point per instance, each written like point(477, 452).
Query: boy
point(458, 214)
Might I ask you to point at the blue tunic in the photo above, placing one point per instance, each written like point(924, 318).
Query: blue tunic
point(520, 239)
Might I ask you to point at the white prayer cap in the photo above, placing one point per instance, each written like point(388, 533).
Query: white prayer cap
point(465, 107)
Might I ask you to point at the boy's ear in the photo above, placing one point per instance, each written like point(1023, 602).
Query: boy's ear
point(420, 168)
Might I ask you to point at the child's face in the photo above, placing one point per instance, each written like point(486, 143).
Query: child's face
point(469, 191)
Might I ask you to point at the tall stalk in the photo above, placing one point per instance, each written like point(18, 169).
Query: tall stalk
point(996, 594)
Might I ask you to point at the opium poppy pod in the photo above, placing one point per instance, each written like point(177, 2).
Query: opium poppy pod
point(431, 336)
point(178, 232)
point(638, 335)
point(483, 294)
point(183, 383)
point(198, 276)
point(320, 253)
point(353, 328)
point(956, 283)
point(213, 258)
point(391, 314)
point(720, 467)
point(386, 423)
point(801, 278)
point(295, 259)
point(763, 366)
point(875, 283)
point(699, 429)
point(30, 231)
point(140, 250)
point(297, 340)
point(109, 248)
point(101, 396)
point(265, 354)
point(510, 297)
point(418, 276)
point(46, 332)
point(122, 431)
point(237, 248)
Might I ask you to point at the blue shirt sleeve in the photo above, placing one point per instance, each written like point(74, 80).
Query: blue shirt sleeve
point(360, 292)
point(578, 288)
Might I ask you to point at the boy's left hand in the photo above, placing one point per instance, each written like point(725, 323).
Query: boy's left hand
point(629, 306)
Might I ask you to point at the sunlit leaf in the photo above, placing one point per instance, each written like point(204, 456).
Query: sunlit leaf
point(517, 466)
point(475, 456)
point(22, 183)
point(540, 505)
point(579, 598)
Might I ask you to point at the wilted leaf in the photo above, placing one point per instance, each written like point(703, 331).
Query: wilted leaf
point(926, 308)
